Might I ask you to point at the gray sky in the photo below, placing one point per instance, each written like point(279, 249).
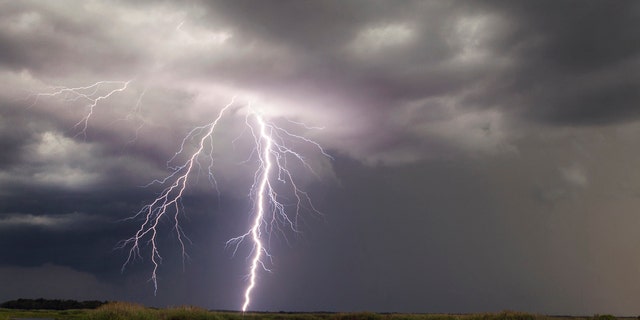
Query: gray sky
point(484, 152)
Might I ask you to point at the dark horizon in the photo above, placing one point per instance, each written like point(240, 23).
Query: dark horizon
point(42, 301)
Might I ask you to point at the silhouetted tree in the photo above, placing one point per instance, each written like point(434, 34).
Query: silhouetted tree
point(51, 304)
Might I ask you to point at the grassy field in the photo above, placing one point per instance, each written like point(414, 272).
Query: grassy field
point(127, 311)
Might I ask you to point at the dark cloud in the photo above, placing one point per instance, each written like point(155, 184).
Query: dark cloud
point(484, 152)
point(570, 61)
point(53, 282)
point(53, 39)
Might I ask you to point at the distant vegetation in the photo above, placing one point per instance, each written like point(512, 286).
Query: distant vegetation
point(47, 304)
point(129, 311)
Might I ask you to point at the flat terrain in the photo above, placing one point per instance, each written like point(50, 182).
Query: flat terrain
point(126, 311)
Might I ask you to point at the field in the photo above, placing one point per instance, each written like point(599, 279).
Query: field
point(127, 311)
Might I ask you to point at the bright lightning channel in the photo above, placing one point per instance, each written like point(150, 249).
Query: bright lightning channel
point(265, 160)
point(272, 151)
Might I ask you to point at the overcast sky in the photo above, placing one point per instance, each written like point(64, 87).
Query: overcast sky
point(484, 153)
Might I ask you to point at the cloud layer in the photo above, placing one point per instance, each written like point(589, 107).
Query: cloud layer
point(503, 131)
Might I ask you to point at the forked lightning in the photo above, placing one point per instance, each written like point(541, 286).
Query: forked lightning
point(91, 94)
point(271, 152)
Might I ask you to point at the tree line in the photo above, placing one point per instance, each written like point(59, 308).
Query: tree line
point(50, 304)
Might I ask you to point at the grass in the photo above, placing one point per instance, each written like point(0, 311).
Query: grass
point(129, 311)
point(6, 314)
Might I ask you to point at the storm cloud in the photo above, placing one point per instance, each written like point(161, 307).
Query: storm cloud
point(484, 153)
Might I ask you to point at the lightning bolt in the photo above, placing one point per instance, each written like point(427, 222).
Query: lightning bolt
point(271, 152)
point(263, 186)
point(168, 203)
point(269, 213)
point(91, 94)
